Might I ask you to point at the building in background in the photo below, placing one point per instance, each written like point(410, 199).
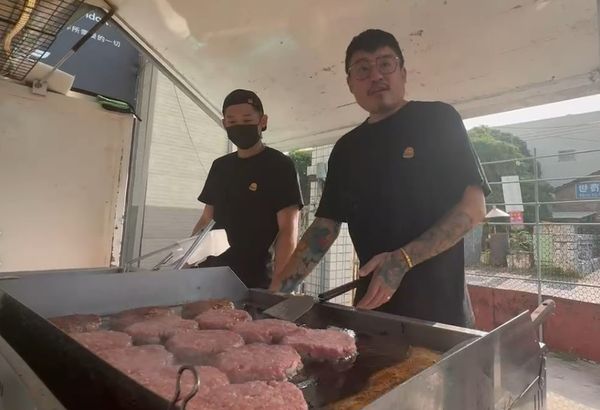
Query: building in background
point(586, 192)
point(562, 137)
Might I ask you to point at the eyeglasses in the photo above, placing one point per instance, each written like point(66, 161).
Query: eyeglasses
point(362, 69)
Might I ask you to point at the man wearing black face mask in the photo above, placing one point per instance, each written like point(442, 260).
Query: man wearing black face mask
point(253, 194)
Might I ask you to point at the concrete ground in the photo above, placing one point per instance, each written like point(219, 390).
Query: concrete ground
point(573, 384)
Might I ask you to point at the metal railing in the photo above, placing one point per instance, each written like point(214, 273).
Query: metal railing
point(534, 266)
point(550, 256)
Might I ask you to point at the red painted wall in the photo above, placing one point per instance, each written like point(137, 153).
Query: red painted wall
point(573, 328)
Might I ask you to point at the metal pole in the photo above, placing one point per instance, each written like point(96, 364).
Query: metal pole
point(80, 43)
point(133, 229)
point(537, 230)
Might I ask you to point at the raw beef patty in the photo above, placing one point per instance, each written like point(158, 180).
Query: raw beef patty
point(264, 330)
point(128, 317)
point(322, 344)
point(102, 340)
point(157, 330)
point(136, 358)
point(222, 319)
point(191, 310)
point(256, 395)
point(259, 362)
point(197, 346)
point(77, 323)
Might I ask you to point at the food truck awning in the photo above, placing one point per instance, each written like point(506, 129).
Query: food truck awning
point(481, 56)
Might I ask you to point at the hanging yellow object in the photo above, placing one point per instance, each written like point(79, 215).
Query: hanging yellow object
point(25, 16)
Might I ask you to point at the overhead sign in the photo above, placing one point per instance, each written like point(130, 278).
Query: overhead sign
point(587, 190)
point(106, 64)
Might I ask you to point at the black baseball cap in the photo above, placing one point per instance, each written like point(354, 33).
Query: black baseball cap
point(243, 97)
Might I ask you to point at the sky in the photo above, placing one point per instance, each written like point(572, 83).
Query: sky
point(540, 112)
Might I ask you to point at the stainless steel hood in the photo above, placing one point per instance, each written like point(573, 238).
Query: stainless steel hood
point(482, 56)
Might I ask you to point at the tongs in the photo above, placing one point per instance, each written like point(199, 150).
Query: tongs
point(340, 290)
point(174, 248)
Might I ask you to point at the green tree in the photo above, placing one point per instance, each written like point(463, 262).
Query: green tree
point(302, 160)
point(494, 145)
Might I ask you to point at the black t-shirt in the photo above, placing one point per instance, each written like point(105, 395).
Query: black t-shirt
point(246, 194)
point(394, 179)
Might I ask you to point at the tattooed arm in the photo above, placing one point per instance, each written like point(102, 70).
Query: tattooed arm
point(314, 244)
point(390, 267)
point(446, 233)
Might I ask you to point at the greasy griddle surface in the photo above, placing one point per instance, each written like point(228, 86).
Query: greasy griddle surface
point(386, 379)
point(382, 363)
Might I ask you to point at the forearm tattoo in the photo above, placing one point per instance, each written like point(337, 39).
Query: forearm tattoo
point(392, 270)
point(441, 237)
point(314, 244)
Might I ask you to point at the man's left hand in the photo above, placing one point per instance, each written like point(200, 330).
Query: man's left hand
point(388, 270)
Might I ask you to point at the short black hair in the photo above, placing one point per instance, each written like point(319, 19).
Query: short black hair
point(370, 41)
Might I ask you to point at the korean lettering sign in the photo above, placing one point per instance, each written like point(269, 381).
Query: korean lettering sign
point(588, 190)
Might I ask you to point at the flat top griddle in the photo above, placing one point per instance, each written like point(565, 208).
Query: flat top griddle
point(324, 384)
point(79, 379)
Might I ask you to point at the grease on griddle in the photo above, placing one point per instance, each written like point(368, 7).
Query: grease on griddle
point(334, 383)
point(326, 383)
point(388, 378)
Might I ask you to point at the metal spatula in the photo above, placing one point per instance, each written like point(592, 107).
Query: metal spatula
point(294, 307)
point(291, 308)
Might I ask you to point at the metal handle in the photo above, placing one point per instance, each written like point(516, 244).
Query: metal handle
point(340, 290)
point(191, 394)
point(129, 264)
point(181, 263)
point(201, 236)
point(541, 313)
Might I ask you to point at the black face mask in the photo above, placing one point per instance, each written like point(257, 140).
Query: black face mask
point(243, 136)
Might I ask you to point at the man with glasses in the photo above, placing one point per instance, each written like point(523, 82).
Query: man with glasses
point(409, 185)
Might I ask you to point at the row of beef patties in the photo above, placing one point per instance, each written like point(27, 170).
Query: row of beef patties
point(242, 363)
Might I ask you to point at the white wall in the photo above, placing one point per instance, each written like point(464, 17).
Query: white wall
point(184, 144)
point(63, 163)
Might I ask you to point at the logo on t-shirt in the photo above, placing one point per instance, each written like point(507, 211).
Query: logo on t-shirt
point(253, 187)
point(408, 153)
